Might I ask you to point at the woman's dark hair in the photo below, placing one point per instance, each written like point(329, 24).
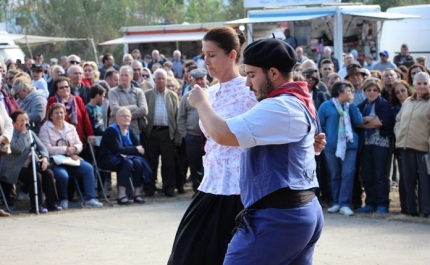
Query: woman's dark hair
point(340, 87)
point(409, 77)
point(403, 69)
point(393, 99)
point(16, 113)
point(54, 107)
point(227, 39)
point(58, 79)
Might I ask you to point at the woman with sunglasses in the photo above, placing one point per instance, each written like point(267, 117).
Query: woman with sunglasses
point(76, 113)
point(61, 138)
point(374, 142)
point(147, 75)
point(402, 90)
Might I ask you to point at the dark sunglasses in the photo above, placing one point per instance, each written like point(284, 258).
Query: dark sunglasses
point(146, 76)
point(74, 62)
point(402, 90)
point(310, 77)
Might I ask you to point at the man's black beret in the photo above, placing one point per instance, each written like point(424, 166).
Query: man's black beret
point(268, 53)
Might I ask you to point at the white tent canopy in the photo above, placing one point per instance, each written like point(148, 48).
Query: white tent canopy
point(31, 39)
point(194, 36)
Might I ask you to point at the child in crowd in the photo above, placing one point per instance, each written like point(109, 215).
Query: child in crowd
point(167, 65)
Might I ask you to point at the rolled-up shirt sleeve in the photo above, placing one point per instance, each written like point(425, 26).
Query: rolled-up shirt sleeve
point(279, 120)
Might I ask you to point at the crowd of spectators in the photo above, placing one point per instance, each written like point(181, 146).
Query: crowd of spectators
point(375, 117)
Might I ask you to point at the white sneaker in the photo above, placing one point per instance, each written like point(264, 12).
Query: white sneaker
point(346, 211)
point(64, 204)
point(93, 203)
point(334, 209)
point(22, 196)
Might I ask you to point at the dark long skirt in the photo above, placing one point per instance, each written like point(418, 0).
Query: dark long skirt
point(205, 230)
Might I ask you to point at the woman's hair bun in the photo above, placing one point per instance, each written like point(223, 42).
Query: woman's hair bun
point(241, 36)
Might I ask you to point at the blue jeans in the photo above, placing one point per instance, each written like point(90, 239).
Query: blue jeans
point(373, 173)
point(85, 171)
point(342, 176)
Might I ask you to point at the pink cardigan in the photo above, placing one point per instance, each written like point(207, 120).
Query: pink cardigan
point(49, 136)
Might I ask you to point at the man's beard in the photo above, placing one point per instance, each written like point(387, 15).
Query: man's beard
point(266, 88)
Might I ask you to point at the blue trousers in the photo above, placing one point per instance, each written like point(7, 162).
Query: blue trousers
point(341, 176)
point(84, 171)
point(195, 157)
point(277, 236)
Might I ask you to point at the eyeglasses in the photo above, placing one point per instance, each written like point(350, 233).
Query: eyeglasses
point(310, 77)
point(402, 90)
point(63, 87)
point(146, 76)
point(74, 62)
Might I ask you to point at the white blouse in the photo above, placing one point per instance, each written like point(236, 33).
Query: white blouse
point(222, 163)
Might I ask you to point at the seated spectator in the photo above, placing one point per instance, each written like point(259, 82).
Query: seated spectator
point(121, 151)
point(61, 138)
point(8, 99)
point(20, 165)
point(374, 145)
point(412, 135)
point(6, 131)
point(76, 113)
point(338, 116)
point(10, 77)
point(31, 100)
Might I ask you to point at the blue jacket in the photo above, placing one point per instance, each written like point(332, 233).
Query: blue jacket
point(329, 120)
point(383, 111)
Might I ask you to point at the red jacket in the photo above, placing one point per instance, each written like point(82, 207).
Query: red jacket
point(84, 127)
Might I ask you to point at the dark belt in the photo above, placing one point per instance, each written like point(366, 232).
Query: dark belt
point(285, 198)
point(159, 128)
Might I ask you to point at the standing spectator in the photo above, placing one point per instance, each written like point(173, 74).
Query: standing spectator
point(328, 55)
point(95, 112)
point(61, 138)
point(167, 66)
point(37, 77)
point(412, 138)
point(187, 78)
point(355, 76)
point(73, 60)
point(137, 56)
point(112, 78)
point(127, 59)
point(75, 74)
point(7, 98)
point(177, 62)
point(312, 79)
point(369, 62)
point(374, 144)
point(147, 59)
point(348, 59)
point(338, 116)
point(173, 84)
point(20, 165)
point(384, 63)
point(156, 58)
point(138, 79)
point(161, 134)
point(331, 79)
point(402, 90)
point(326, 68)
point(63, 62)
point(422, 60)
point(292, 41)
point(404, 58)
point(92, 76)
point(389, 77)
point(31, 100)
point(188, 126)
point(412, 71)
point(131, 97)
point(76, 113)
point(300, 57)
point(56, 70)
point(108, 62)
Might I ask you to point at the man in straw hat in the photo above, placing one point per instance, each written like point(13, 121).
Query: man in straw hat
point(282, 219)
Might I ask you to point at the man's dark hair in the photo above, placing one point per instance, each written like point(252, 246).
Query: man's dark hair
point(96, 90)
point(106, 57)
point(110, 72)
point(340, 87)
point(327, 61)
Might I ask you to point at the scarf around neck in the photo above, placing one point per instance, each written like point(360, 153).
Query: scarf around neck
point(71, 107)
point(345, 129)
point(299, 90)
point(125, 140)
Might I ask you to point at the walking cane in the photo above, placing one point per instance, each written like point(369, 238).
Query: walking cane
point(33, 164)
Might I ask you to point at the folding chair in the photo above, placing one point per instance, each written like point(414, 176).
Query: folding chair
point(8, 208)
point(96, 168)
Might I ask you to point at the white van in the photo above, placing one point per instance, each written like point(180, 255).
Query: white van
point(414, 32)
point(8, 48)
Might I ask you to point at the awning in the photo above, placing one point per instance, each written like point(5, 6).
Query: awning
point(172, 37)
point(279, 18)
point(379, 15)
point(30, 39)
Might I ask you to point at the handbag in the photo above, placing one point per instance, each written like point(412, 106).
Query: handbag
point(65, 160)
